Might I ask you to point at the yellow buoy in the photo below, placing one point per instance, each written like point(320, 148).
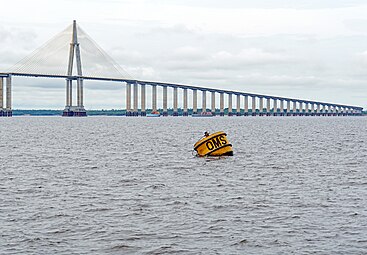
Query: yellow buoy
point(215, 144)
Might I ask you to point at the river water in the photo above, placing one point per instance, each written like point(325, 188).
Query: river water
point(117, 185)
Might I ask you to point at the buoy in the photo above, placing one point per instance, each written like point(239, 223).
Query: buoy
point(215, 144)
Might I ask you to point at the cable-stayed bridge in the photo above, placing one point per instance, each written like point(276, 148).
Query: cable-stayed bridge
point(74, 56)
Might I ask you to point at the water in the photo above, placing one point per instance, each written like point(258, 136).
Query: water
point(116, 185)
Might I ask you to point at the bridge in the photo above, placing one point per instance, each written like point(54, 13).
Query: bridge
point(79, 45)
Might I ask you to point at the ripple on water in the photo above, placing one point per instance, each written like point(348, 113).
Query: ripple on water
point(132, 186)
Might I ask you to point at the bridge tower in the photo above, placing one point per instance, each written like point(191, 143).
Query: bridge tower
point(77, 110)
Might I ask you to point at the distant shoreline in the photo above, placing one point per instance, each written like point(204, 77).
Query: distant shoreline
point(112, 112)
point(20, 112)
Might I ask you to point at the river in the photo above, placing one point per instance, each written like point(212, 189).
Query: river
point(118, 185)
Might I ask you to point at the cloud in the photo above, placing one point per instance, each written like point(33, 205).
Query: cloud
point(190, 58)
point(17, 35)
point(176, 29)
point(188, 53)
point(307, 48)
point(15, 44)
point(250, 56)
point(362, 57)
point(358, 25)
point(268, 4)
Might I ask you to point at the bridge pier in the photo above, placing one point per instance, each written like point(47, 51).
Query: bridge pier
point(275, 107)
point(154, 98)
point(175, 101)
point(221, 102)
point(246, 106)
point(2, 112)
point(268, 106)
point(281, 107)
point(165, 108)
point(294, 111)
point(350, 111)
point(253, 108)
point(213, 102)
point(238, 108)
point(312, 113)
point(261, 107)
point(306, 110)
point(70, 110)
point(318, 111)
point(289, 108)
point(142, 100)
point(301, 109)
point(7, 111)
point(79, 83)
point(323, 110)
point(203, 105)
point(128, 99)
point(135, 100)
point(1, 96)
point(69, 91)
point(341, 111)
point(185, 103)
point(230, 110)
point(194, 101)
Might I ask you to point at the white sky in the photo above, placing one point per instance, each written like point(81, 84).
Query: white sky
point(304, 49)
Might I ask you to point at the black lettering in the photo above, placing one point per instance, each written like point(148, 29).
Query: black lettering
point(209, 144)
point(223, 139)
point(216, 142)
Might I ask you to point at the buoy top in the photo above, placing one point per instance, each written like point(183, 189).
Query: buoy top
point(215, 144)
point(206, 138)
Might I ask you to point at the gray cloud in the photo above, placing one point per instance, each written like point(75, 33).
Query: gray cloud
point(193, 59)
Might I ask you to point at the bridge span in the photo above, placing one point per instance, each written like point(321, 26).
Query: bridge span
point(247, 104)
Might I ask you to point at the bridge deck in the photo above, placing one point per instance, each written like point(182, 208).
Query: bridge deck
point(182, 86)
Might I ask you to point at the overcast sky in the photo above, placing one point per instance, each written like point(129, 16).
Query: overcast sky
point(308, 49)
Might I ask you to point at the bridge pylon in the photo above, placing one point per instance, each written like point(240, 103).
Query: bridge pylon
point(78, 109)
